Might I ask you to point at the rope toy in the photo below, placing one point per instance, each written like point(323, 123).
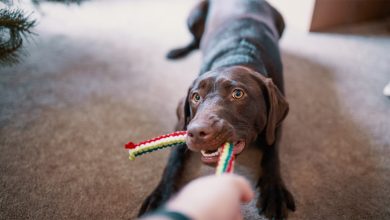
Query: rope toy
point(225, 161)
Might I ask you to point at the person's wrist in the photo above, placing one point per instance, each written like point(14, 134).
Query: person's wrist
point(167, 214)
point(182, 207)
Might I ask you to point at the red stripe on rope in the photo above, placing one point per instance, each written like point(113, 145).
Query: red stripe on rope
point(131, 145)
point(230, 165)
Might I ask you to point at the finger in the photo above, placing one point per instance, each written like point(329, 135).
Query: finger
point(247, 193)
point(239, 215)
point(244, 187)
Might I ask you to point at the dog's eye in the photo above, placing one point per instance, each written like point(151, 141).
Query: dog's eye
point(195, 97)
point(238, 93)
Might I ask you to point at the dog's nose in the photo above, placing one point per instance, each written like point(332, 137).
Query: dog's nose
point(199, 131)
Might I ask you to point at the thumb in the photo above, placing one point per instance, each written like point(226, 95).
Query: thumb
point(244, 188)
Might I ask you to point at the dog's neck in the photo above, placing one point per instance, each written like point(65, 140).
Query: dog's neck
point(235, 52)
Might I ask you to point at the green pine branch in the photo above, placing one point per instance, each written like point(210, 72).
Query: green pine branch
point(14, 27)
point(60, 1)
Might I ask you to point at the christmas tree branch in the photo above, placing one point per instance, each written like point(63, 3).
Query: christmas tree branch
point(14, 26)
point(61, 1)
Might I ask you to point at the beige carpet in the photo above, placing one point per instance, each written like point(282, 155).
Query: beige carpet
point(96, 78)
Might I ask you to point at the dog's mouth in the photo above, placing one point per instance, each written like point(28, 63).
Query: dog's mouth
point(211, 156)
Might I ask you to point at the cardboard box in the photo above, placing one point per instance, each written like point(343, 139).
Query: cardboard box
point(331, 13)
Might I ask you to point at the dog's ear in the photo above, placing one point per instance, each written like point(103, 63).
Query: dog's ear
point(277, 110)
point(183, 113)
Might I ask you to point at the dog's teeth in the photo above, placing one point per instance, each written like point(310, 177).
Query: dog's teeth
point(204, 153)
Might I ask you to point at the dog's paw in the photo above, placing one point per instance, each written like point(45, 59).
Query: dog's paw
point(275, 201)
point(151, 203)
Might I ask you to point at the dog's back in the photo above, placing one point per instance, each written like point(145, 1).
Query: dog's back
point(243, 32)
point(221, 12)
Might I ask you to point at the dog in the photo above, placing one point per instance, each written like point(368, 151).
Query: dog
point(238, 97)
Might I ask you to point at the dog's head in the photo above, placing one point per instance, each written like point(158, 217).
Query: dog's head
point(234, 104)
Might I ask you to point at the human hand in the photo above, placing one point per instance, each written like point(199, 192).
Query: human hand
point(213, 197)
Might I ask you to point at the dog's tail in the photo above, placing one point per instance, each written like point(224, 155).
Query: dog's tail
point(279, 21)
point(183, 51)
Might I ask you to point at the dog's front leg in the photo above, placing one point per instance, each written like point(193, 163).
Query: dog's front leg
point(275, 199)
point(168, 184)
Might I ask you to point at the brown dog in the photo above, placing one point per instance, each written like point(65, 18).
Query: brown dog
point(238, 97)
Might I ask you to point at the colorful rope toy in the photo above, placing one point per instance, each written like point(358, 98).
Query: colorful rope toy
point(226, 159)
point(225, 162)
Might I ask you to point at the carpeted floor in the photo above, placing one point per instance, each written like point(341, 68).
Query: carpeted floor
point(96, 78)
